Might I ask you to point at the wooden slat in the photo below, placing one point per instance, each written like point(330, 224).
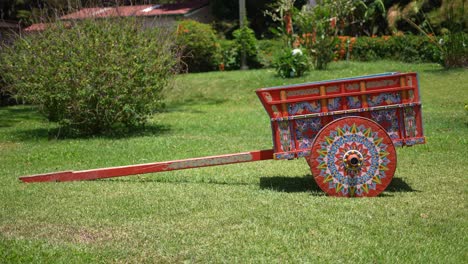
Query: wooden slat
point(367, 92)
point(362, 87)
point(404, 92)
point(323, 101)
point(150, 167)
point(284, 106)
point(349, 111)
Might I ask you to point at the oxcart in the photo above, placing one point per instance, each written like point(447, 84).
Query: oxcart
point(346, 129)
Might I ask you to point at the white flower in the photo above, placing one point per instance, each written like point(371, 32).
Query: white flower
point(296, 52)
point(441, 41)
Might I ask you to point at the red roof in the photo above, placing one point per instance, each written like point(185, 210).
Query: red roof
point(42, 27)
point(138, 10)
point(37, 27)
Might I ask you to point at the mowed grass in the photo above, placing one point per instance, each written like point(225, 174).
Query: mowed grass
point(269, 211)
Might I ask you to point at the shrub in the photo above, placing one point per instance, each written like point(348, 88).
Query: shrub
point(344, 47)
point(455, 50)
point(94, 77)
point(410, 48)
point(318, 33)
point(245, 40)
point(201, 51)
point(232, 50)
point(323, 51)
point(407, 48)
point(290, 64)
point(268, 49)
point(229, 55)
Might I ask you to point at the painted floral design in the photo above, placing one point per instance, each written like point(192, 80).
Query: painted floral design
point(334, 104)
point(388, 120)
point(304, 108)
point(388, 98)
point(378, 160)
point(306, 130)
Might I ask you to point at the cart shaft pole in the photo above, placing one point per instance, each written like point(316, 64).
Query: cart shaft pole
point(151, 167)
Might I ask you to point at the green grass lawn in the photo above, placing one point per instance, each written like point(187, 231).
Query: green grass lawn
point(269, 211)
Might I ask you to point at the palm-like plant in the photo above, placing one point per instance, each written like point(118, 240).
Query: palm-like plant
point(449, 16)
point(447, 21)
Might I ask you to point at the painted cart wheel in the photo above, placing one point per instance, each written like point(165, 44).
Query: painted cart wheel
point(353, 157)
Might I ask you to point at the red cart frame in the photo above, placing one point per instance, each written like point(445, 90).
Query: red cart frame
point(299, 112)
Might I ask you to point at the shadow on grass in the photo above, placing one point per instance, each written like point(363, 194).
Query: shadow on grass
point(399, 185)
point(290, 184)
point(13, 116)
point(55, 133)
point(9, 116)
point(307, 183)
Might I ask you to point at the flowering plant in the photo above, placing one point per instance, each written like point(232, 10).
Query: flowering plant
point(292, 63)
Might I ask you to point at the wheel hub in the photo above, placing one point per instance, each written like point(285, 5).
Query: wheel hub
point(352, 160)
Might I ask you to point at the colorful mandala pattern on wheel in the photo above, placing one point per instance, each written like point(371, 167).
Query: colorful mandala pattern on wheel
point(353, 157)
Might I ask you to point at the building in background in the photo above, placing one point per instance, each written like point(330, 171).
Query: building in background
point(151, 15)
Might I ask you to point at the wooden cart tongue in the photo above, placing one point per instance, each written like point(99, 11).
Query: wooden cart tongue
point(150, 167)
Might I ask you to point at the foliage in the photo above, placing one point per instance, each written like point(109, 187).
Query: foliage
point(244, 39)
point(319, 33)
point(27, 11)
point(268, 50)
point(450, 16)
point(323, 51)
point(225, 9)
point(353, 17)
point(229, 55)
point(369, 13)
point(451, 20)
point(201, 50)
point(339, 12)
point(291, 64)
point(315, 31)
point(407, 48)
point(282, 12)
point(455, 47)
point(97, 76)
point(344, 47)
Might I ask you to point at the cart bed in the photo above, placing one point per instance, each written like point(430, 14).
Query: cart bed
point(298, 112)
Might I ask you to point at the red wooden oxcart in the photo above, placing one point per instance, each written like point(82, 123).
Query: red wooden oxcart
point(347, 130)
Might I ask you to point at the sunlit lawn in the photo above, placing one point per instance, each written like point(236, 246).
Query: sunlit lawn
point(268, 211)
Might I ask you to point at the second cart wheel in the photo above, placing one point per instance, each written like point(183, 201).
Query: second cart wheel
point(352, 157)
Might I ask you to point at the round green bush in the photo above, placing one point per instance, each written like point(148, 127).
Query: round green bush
point(244, 39)
point(93, 77)
point(201, 51)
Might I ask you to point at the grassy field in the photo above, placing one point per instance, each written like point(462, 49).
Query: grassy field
point(268, 211)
